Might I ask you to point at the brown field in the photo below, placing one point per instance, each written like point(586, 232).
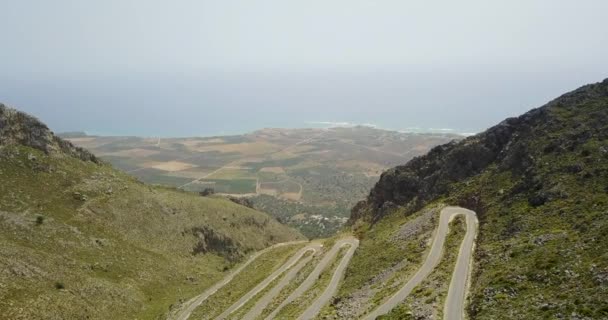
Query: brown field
point(285, 189)
point(188, 174)
point(81, 140)
point(169, 165)
point(277, 170)
point(245, 148)
point(300, 149)
point(268, 191)
point(214, 140)
point(287, 172)
point(295, 196)
point(132, 153)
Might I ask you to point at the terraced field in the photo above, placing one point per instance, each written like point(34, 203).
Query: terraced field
point(302, 280)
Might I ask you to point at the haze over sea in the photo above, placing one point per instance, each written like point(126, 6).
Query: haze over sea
point(212, 102)
point(147, 68)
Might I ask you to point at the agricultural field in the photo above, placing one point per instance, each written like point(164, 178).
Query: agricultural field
point(306, 178)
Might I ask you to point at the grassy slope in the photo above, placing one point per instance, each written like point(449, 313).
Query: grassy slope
point(293, 285)
point(542, 261)
point(542, 210)
point(124, 252)
point(241, 312)
point(245, 281)
point(386, 258)
point(427, 299)
point(298, 306)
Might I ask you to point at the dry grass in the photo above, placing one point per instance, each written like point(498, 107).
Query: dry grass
point(295, 196)
point(277, 170)
point(81, 140)
point(232, 173)
point(132, 153)
point(268, 191)
point(169, 165)
point(191, 174)
point(123, 251)
point(245, 148)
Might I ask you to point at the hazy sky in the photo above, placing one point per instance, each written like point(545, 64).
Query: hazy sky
point(202, 67)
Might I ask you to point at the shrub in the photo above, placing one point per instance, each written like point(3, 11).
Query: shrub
point(206, 192)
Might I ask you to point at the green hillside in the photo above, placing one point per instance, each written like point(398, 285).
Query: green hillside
point(81, 240)
point(539, 184)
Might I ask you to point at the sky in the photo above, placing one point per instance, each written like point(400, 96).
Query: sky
point(183, 68)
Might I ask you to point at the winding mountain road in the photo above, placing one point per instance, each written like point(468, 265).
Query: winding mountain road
point(314, 275)
point(286, 266)
point(455, 300)
point(331, 289)
point(193, 303)
point(259, 307)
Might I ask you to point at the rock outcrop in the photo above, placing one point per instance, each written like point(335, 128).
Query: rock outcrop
point(509, 145)
point(18, 128)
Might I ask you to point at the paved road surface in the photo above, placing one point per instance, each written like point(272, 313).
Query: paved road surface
point(196, 301)
point(331, 289)
point(286, 266)
point(454, 305)
point(455, 301)
point(314, 275)
point(270, 295)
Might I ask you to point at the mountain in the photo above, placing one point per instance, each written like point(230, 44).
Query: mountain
point(81, 240)
point(539, 185)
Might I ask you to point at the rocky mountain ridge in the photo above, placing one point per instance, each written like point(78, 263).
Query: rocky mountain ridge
point(539, 186)
point(505, 145)
point(19, 128)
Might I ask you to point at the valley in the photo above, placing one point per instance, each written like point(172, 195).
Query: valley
point(506, 224)
point(307, 178)
point(322, 281)
point(417, 258)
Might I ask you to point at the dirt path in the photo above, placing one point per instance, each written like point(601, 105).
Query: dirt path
point(454, 304)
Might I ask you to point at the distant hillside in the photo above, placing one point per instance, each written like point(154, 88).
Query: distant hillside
point(72, 134)
point(539, 183)
point(81, 240)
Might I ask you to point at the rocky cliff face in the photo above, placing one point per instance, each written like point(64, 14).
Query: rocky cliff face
point(539, 185)
point(18, 128)
point(561, 125)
